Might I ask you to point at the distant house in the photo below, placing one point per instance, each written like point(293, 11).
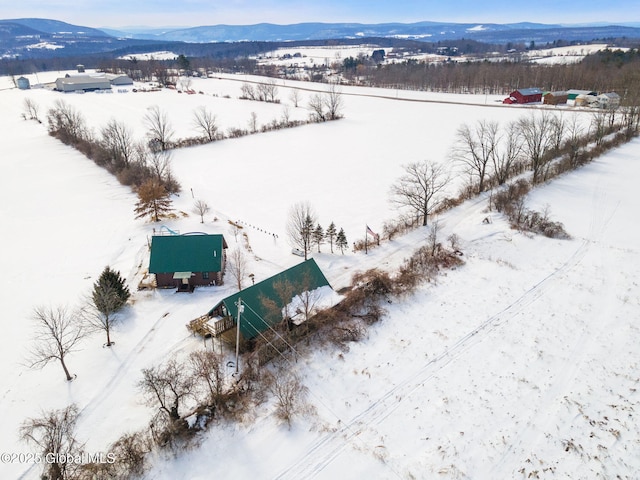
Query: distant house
point(524, 95)
point(555, 98)
point(572, 95)
point(85, 83)
point(608, 100)
point(188, 260)
point(23, 83)
point(257, 316)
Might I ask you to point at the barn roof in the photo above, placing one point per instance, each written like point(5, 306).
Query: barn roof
point(529, 91)
point(256, 317)
point(190, 252)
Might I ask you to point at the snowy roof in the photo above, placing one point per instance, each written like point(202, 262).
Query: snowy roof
point(529, 91)
point(256, 317)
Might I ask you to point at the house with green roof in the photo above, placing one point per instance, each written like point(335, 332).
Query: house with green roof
point(265, 303)
point(188, 260)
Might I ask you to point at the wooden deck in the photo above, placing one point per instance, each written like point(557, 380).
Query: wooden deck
point(203, 327)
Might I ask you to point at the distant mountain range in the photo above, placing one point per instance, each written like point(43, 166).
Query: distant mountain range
point(34, 37)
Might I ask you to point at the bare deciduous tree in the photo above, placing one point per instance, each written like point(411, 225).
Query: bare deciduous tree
point(166, 386)
point(237, 266)
point(117, 139)
point(333, 102)
point(316, 105)
point(419, 188)
point(159, 128)
point(253, 122)
point(536, 133)
point(295, 97)
point(32, 111)
point(268, 91)
point(574, 141)
point(248, 92)
point(159, 161)
point(66, 123)
point(290, 395)
point(475, 147)
point(53, 435)
point(300, 225)
point(208, 375)
point(57, 333)
point(505, 156)
point(200, 207)
point(206, 122)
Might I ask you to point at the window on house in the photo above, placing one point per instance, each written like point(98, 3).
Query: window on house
point(205, 275)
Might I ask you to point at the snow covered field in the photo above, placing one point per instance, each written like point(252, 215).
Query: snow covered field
point(524, 360)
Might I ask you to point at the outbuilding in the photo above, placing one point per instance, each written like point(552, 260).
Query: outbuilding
point(555, 98)
point(572, 95)
point(188, 260)
point(85, 83)
point(23, 83)
point(524, 95)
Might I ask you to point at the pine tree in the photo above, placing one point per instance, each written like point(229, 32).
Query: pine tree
point(330, 234)
point(109, 295)
point(318, 236)
point(153, 200)
point(341, 241)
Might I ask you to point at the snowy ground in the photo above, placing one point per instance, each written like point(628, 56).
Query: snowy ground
point(523, 360)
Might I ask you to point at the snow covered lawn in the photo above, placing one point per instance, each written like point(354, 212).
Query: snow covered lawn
point(523, 360)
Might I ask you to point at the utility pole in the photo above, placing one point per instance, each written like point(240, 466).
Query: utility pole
point(240, 310)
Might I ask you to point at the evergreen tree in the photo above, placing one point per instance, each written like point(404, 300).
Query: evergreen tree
point(330, 234)
point(153, 200)
point(341, 241)
point(318, 236)
point(109, 295)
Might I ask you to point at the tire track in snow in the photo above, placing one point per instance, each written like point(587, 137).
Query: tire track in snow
point(324, 450)
point(549, 405)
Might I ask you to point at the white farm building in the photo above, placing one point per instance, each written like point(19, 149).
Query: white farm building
point(89, 83)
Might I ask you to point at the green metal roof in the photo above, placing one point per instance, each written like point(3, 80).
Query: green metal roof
point(186, 253)
point(256, 318)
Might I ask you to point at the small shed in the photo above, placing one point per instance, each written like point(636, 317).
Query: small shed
point(555, 98)
point(525, 95)
point(23, 83)
point(188, 260)
point(259, 300)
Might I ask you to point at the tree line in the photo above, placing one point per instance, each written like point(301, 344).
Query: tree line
point(605, 71)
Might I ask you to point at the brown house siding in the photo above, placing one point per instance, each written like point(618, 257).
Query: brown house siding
point(166, 280)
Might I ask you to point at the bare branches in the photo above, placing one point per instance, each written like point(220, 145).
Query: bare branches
point(536, 132)
point(56, 334)
point(300, 225)
point(237, 266)
point(200, 207)
point(166, 386)
point(117, 139)
point(419, 188)
point(53, 435)
point(206, 122)
point(159, 129)
point(475, 147)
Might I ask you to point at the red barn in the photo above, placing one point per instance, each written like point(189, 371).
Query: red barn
point(524, 95)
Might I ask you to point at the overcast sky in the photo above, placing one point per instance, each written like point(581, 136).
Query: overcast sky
point(120, 13)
